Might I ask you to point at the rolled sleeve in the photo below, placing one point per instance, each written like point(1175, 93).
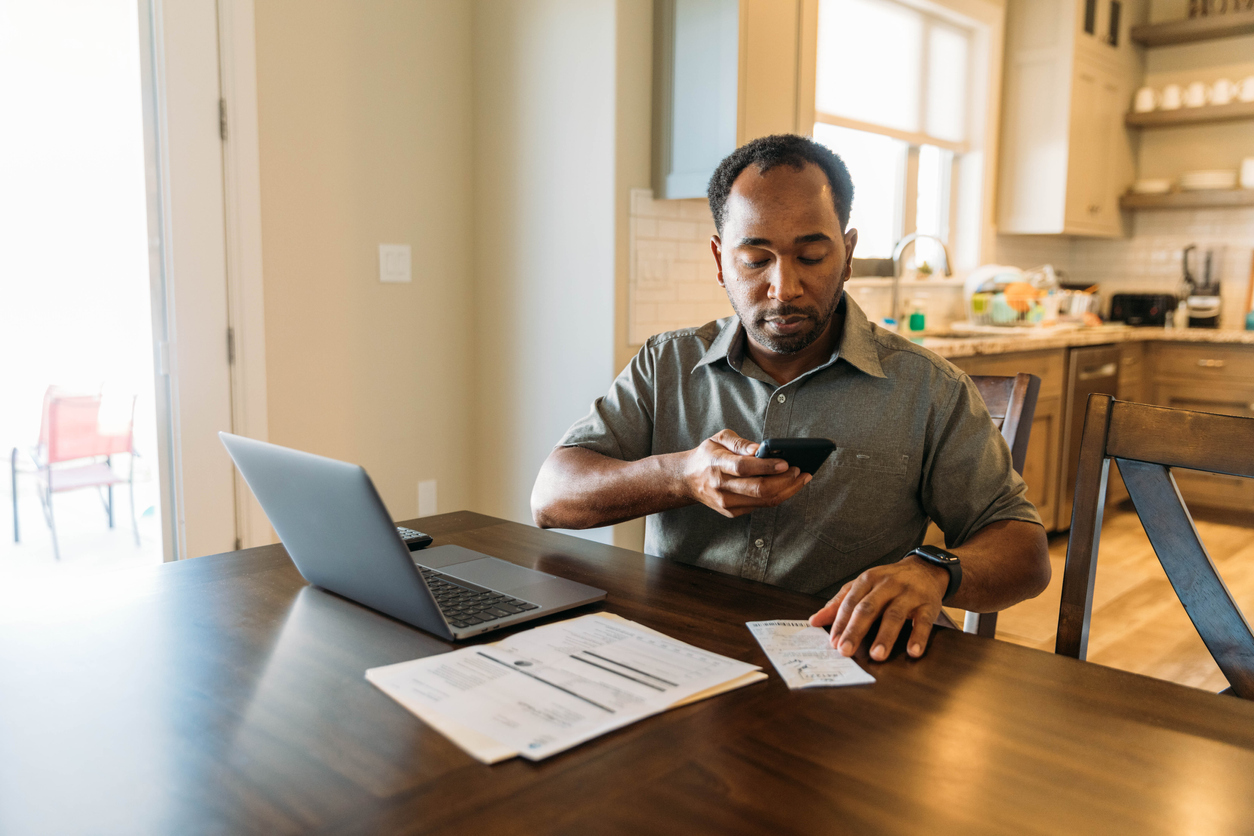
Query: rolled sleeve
point(620, 424)
point(970, 480)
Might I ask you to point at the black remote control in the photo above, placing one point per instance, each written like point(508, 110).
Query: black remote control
point(414, 539)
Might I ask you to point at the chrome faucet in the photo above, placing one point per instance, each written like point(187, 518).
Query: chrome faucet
point(895, 310)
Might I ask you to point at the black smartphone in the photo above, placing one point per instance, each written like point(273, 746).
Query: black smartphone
point(808, 454)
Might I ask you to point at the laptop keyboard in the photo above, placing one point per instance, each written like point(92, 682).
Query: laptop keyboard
point(466, 606)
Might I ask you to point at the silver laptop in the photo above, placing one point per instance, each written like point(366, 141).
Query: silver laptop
point(341, 538)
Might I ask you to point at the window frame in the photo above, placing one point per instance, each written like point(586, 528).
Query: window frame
point(971, 172)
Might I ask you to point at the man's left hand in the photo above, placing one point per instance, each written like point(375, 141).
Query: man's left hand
point(909, 589)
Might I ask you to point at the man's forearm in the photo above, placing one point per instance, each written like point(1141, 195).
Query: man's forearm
point(578, 488)
point(1002, 564)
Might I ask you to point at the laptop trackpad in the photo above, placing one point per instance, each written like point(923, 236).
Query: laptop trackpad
point(495, 574)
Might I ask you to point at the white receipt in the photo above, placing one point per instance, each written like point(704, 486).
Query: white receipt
point(542, 691)
point(804, 656)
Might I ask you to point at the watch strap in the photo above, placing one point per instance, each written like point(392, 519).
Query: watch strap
point(946, 560)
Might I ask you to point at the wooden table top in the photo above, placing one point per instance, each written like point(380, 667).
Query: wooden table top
point(224, 695)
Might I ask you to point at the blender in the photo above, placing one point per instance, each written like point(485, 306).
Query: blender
point(1201, 294)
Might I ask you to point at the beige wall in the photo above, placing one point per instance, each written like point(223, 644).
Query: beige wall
point(543, 233)
point(633, 170)
point(365, 127)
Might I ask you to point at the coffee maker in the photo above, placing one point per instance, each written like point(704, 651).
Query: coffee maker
point(1201, 286)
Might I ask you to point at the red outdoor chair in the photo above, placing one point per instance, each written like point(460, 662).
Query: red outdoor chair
point(70, 432)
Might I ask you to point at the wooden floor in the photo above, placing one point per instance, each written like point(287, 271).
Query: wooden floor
point(1138, 623)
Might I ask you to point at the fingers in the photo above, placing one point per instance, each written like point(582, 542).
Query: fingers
point(850, 594)
point(768, 490)
point(922, 630)
point(733, 442)
point(828, 613)
point(858, 614)
point(894, 617)
point(737, 465)
point(735, 455)
point(722, 474)
point(893, 594)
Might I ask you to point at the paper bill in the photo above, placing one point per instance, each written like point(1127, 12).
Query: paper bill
point(542, 691)
point(804, 656)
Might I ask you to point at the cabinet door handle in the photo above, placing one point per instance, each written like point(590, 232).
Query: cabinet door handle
point(1211, 364)
point(1095, 372)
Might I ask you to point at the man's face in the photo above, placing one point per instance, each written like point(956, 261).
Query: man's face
point(782, 257)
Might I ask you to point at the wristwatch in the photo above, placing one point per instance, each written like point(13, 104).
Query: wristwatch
point(947, 561)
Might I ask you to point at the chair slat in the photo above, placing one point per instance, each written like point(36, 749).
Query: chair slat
point(996, 392)
point(1011, 403)
point(1217, 617)
point(1180, 438)
point(1086, 528)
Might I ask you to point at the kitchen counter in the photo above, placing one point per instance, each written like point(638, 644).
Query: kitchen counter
point(1201, 369)
point(1039, 340)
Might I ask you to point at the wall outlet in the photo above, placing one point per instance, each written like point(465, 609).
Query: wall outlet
point(394, 262)
point(426, 498)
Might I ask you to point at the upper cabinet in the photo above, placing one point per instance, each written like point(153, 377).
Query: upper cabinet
point(1066, 157)
point(726, 72)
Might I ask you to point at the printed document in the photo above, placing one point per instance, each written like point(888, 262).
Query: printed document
point(541, 691)
point(804, 656)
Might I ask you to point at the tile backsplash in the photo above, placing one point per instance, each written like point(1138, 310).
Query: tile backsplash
point(1150, 260)
point(672, 281)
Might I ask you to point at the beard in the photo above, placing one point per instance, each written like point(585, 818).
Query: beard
point(755, 323)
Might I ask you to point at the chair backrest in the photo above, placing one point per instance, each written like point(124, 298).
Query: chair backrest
point(70, 428)
point(1146, 442)
point(1011, 403)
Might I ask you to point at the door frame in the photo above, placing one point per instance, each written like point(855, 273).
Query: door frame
point(230, 274)
point(241, 166)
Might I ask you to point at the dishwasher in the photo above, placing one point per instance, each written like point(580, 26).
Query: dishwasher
point(1094, 369)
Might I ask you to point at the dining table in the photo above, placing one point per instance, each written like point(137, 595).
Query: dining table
point(225, 694)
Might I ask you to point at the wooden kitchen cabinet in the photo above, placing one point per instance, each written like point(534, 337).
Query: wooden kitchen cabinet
point(1044, 454)
point(1132, 372)
point(1096, 173)
point(1131, 388)
point(1206, 378)
point(1066, 156)
point(726, 72)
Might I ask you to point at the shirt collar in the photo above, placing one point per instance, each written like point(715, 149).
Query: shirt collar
point(857, 343)
point(858, 346)
point(728, 338)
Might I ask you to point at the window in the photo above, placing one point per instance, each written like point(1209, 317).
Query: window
point(891, 98)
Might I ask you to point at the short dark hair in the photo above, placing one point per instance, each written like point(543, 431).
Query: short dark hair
point(780, 149)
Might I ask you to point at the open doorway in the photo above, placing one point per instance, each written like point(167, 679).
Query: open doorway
point(77, 399)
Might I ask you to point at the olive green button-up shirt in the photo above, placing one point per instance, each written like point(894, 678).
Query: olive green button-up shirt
point(913, 438)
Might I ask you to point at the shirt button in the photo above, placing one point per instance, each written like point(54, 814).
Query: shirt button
point(781, 399)
point(760, 543)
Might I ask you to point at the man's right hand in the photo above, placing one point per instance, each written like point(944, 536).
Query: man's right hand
point(723, 473)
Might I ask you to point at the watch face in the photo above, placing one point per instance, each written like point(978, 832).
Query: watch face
point(937, 555)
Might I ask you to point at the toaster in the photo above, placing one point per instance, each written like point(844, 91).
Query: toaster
point(1142, 308)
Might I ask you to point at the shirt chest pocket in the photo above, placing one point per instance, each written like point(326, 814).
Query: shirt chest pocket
point(856, 497)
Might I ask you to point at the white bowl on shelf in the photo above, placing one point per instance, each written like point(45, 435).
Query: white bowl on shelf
point(1203, 180)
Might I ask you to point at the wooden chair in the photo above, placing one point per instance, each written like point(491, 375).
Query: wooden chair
point(1146, 442)
point(1011, 402)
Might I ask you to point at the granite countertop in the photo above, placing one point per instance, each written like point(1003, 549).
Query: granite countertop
point(1039, 339)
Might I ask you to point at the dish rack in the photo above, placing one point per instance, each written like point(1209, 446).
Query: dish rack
point(1007, 297)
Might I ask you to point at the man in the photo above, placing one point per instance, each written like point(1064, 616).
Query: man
point(674, 438)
